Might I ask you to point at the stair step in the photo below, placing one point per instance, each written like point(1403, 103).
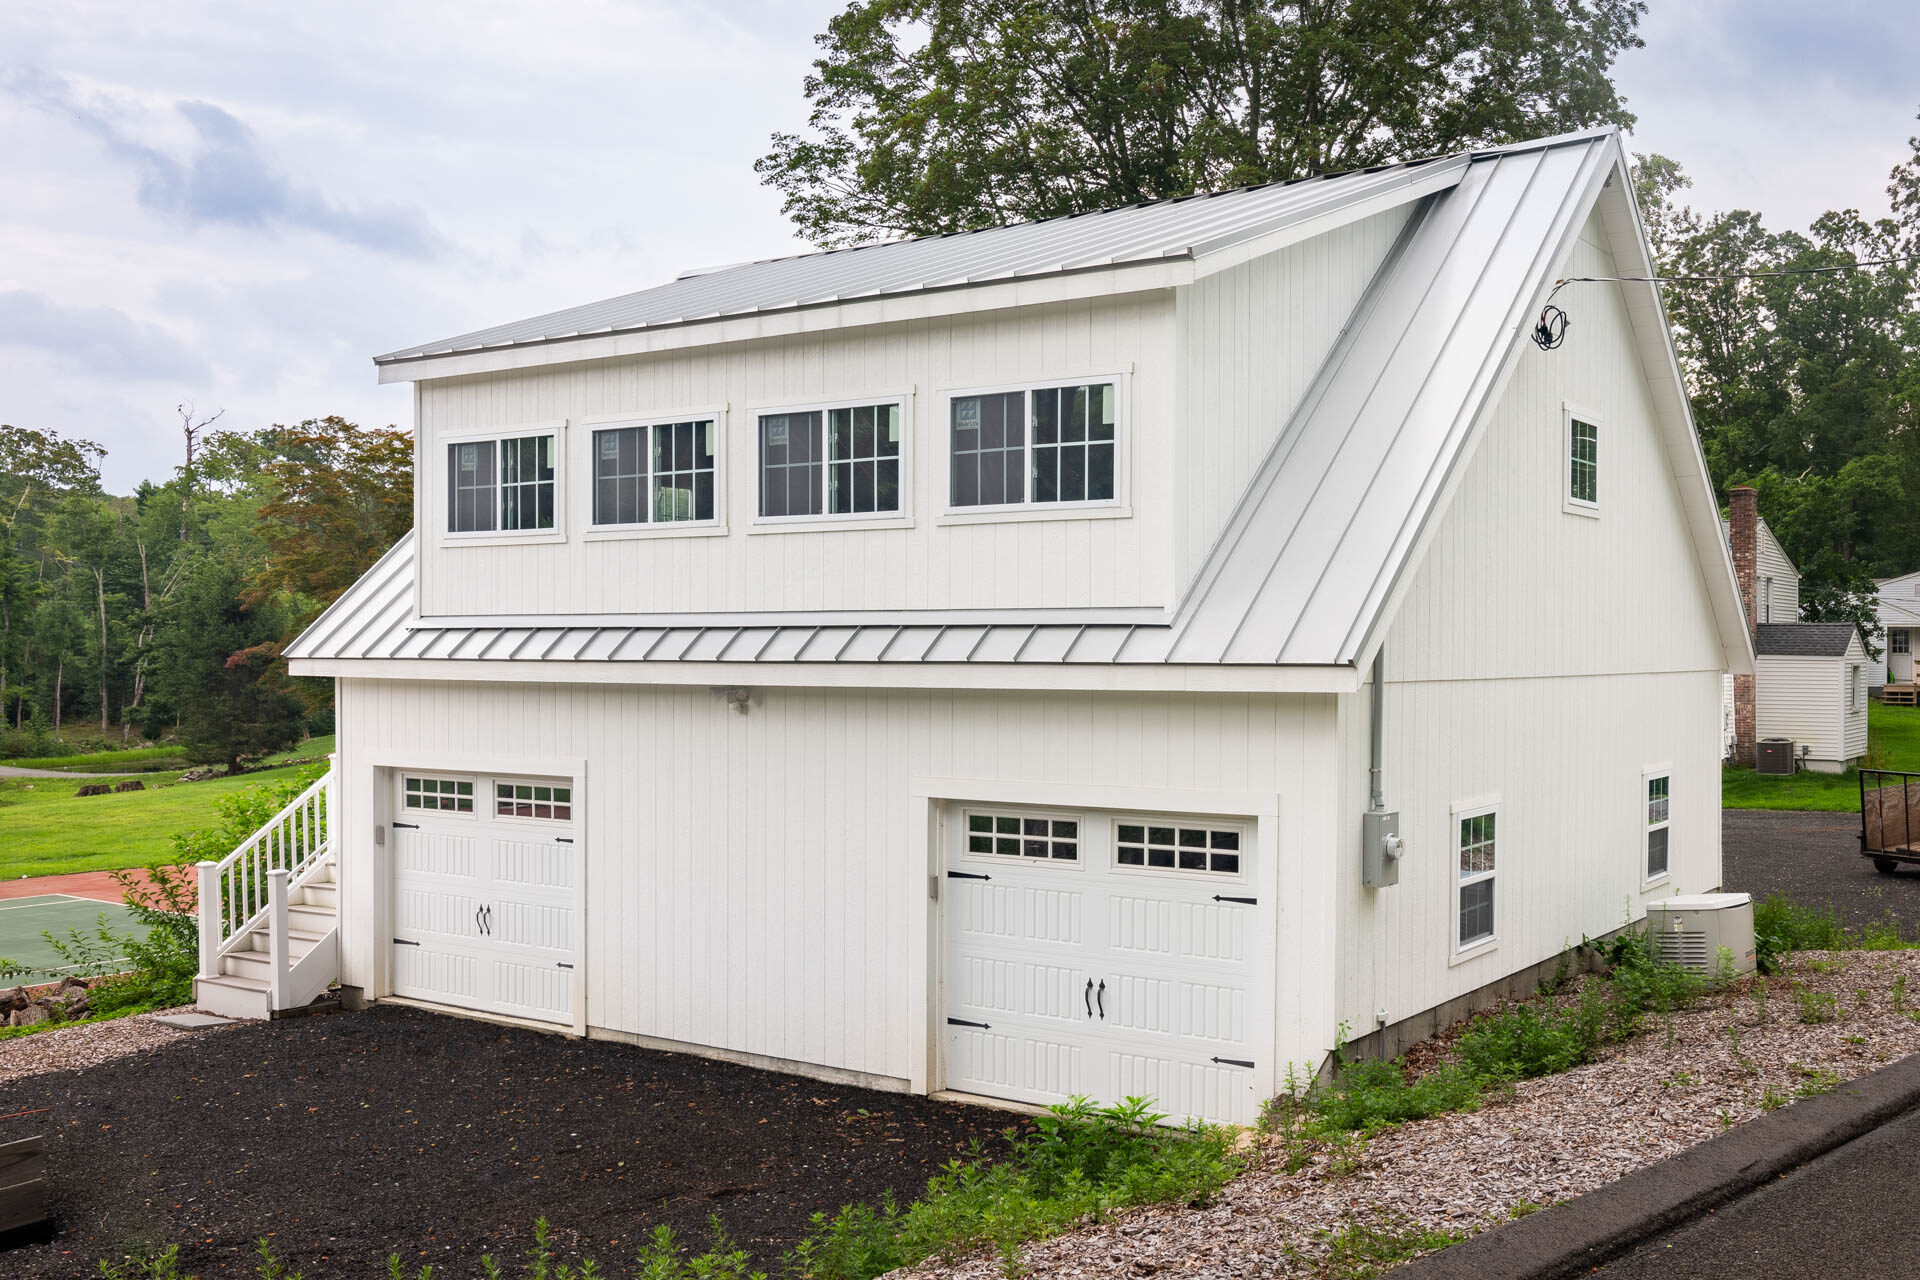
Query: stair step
point(304, 918)
point(317, 893)
point(232, 996)
point(301, 939)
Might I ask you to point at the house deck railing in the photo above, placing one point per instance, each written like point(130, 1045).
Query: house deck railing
point(233, 892)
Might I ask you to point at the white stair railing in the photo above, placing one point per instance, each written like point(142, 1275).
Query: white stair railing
point(233, 892)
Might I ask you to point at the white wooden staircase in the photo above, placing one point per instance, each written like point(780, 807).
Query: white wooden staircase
point(269, 914)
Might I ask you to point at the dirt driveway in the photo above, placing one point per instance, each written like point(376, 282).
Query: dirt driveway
point(1814, 858)
point(346, 1136)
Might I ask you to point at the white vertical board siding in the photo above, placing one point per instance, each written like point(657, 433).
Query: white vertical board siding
point(1515, 586)
point(1059, 563)
point(1803, 699)
point(749, 876)
point(1250, 340)
point(1565, 758)
point(1546, 659)
point(1772, 566)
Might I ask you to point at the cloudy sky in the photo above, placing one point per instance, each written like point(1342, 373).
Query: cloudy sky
point(237, 205)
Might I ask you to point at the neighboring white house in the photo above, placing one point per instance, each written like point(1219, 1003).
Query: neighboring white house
point(1810, 683)
point(1810, 678)
point(1898, 612)
point(947, 665)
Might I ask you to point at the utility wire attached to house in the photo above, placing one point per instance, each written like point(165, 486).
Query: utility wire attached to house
point(1551, 330)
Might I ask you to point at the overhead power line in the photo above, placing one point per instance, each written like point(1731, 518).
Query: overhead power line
point(1551, 330)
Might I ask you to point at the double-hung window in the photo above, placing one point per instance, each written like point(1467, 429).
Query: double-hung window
point(1898, 641)
point(838, 461)
point(659, 473)
point(1658, 819)
point(503, 485)
point(1581, 466)
point(1477, 849)
point(1043, 445)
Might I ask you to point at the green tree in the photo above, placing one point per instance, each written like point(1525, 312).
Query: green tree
point(211, 666)
point(935, 116)
point(1802, 377)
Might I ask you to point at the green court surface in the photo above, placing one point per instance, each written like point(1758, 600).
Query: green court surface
point(24, 920)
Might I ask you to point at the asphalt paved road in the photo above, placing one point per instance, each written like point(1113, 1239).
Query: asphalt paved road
point(1814, 858)
point(1845, 1216)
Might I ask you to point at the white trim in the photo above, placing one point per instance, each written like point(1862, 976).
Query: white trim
point(1648, 826)
point(1145, 676)
point(1116, 281)
point(1569, 411)
point(1119, 506)
point(591, 532)
point(1457, 951)
point(903, 518)
point(435, 493)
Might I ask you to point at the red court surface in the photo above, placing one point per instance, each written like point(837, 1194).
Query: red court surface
point(86, 884)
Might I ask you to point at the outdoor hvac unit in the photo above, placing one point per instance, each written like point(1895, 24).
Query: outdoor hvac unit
point(1690, 930)
point(1773, 755)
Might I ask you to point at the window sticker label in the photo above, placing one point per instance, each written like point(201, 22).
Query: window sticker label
point(776, 431)
point(966, 414)
point(609, 445)
point(469, 457)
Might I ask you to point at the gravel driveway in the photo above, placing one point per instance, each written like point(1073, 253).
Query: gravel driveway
point(342, 1137)
point(1814, 858)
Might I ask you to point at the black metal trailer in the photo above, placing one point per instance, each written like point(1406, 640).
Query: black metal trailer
point(1890, 818)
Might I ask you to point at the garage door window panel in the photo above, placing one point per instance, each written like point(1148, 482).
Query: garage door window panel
point(537, 800)
point(437, 795)
point(1040, 838)
point(1161, 846)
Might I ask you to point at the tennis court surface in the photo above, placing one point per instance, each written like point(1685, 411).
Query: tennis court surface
point(25, 921)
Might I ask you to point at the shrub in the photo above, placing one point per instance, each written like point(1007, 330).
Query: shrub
point(241, 814)
point(1519, 1043)
point(1080, 1161)
point(1781, 925)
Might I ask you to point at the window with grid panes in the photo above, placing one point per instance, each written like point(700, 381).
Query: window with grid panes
point(1013, 835)
point(473, 493)
point(863, 459)
point(1477, 848)
point(792, 464)
point(1073, 444)
point(532, 800)
point(444, 795)
point(526, 483)
point(1583, 462)
point(1176, 848)
point(683, 471)
point(1657, 825)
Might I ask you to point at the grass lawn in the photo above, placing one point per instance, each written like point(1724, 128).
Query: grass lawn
point(45, 829)
point(160, 759)
point(1893, 742)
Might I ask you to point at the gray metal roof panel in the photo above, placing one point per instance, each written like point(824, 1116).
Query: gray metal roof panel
point(1189, 226)
point(1308, 558)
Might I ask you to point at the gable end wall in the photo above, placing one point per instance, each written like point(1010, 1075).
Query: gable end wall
point(1547, 660)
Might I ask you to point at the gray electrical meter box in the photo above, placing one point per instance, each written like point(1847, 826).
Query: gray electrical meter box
point(1380, 848)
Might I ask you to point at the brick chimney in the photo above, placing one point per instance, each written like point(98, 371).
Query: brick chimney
point(1743, 536)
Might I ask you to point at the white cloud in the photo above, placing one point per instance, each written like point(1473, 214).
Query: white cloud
point(282, 191)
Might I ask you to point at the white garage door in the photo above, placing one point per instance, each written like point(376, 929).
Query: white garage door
point(485, 883)
point(1107, 955)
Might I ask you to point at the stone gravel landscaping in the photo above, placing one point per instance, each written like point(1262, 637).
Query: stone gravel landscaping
point(1749, 1048)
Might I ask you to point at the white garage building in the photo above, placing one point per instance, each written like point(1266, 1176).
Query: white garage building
point(949, 665)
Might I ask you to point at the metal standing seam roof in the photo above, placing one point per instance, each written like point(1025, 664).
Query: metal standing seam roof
point(374, 620)
point(1309, 560)
point(1189, 227)
point(1803, 639)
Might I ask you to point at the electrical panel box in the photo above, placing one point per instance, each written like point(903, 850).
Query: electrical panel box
point(1692, 929)
point(1380, 848)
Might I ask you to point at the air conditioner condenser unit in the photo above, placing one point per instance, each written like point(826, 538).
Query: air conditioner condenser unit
point(1773, 755)
point(1690, 930)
